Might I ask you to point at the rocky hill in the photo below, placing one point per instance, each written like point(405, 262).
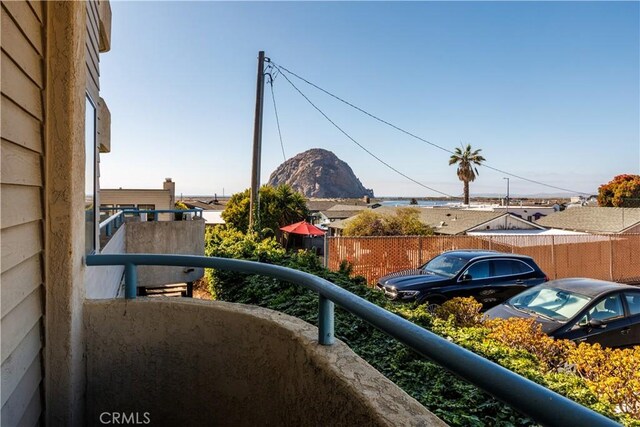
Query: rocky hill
point(319, 173)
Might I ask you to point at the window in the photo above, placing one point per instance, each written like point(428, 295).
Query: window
point(479, 270)
point(558, 304)
point(508, 267)
point(633, 302)
point(90, 179)
point(150, 216)
point(608, 308)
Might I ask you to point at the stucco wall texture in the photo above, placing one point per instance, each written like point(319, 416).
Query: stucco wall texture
point(166, 237)
point(191, 362)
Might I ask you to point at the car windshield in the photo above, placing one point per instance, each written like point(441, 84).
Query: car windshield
point(558, 304)
point(445, 265)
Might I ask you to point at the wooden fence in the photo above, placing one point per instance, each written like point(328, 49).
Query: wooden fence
point(607, 257)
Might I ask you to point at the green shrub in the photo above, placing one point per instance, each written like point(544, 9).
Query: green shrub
point(518, 346)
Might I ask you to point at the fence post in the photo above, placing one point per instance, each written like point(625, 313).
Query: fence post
point(325, 321)
point(130, 281)
point(420, 250)
point(490, 243)
point(326, 251)
point(610, 258)
point(553, 257)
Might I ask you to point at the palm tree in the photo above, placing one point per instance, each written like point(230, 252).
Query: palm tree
point(290, 205)
point(467, 171)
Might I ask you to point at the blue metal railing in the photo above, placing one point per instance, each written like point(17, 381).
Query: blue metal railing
point(197, 212)
point(114, 221)
point(533, 400)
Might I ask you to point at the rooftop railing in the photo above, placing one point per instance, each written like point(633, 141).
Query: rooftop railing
point(114, 221)
point(533, 400)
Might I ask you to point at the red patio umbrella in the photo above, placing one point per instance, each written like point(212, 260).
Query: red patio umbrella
point(303, 227)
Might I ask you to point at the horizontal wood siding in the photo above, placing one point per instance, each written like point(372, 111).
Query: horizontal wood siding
point(18, 404)
point(19, 361)
point(160, 198)
point(20, 166)
point(20, 127)
point(91, 48)
point(20, 204)
point(22, 214)
point(19, 282)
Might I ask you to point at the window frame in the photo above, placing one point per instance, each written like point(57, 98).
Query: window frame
point(95, 248)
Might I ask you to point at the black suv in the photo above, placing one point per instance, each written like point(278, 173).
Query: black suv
point(490, 277)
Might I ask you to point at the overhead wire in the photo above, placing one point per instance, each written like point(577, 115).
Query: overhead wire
point(357, 143)
point(282, 68)
point(275, 109)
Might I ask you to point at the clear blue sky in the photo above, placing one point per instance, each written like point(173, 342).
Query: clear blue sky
point(549, 91)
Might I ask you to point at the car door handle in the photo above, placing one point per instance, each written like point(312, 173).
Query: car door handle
point(519, 282)
point(625, 331)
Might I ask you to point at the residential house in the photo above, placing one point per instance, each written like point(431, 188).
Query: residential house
point(595, 220)
point(449, 221)
point(142, 198)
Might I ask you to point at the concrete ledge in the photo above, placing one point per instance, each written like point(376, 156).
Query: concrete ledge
point(191, 362)
point(166, 237)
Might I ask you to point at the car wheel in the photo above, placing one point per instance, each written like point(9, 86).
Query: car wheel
point(433, 305)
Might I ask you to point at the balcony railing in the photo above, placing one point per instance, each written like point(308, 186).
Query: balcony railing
point(113, 222)
point(533, 400)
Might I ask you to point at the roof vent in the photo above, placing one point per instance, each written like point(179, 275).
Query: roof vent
point(442, 223)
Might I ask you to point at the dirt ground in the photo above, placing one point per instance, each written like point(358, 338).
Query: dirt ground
point(200, 289)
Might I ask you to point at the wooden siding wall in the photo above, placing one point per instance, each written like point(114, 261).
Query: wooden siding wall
point(161, 199)
point(23, 83)
point(93, 61)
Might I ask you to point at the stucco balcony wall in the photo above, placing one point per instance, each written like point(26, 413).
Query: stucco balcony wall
point(190, 362)
point(166, 237)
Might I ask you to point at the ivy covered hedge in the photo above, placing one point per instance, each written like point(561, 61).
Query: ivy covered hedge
point(607, 381)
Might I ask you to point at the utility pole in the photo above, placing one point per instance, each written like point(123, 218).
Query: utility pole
point(507, 193)
point(254, 201)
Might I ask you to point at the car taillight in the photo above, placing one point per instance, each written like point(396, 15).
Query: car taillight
point(546, 278)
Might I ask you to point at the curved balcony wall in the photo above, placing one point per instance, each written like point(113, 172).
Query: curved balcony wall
point(190, 362)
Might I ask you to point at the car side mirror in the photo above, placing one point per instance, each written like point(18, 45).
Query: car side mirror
point(465, 277)
point(595, 324)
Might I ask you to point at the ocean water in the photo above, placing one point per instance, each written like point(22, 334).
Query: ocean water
point(405, 202)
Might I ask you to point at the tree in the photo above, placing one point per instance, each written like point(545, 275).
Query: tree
point(467, 161)
point(621, 191)
point(404, 222)
point(278, 206)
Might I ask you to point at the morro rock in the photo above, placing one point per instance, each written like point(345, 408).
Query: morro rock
point(319, 173)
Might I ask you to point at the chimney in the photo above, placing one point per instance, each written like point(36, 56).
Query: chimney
point(168, 184)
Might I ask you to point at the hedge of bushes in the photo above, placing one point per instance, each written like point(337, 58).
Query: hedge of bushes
point(604, 380)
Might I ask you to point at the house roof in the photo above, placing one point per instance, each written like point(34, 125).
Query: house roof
point(202, 205)
point(593, 219)
point(443, 221)
point(339, 214)
point(320, 205)
point(361, 207)
point(456, 221)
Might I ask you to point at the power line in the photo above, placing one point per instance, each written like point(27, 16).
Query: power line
point(275, 109)
point(406, 132)
point(357, 143)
